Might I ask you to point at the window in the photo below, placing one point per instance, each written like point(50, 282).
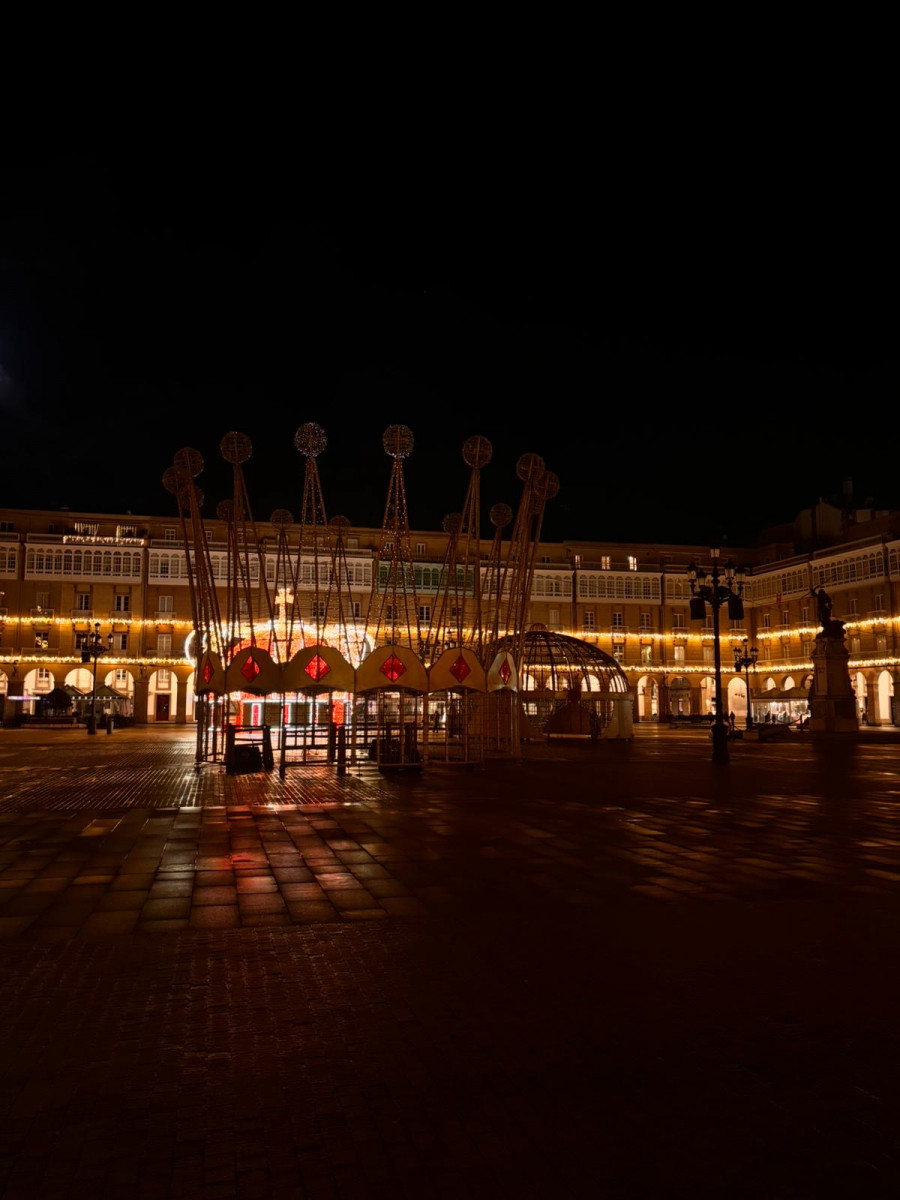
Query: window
point(354, 609)
point(545, 558)
point(7, 527)
point(81, 641)
point(123, 602)
point(709, 656)
point(853, 606)
point(164, 644)
point(318, 610)
point(170, 535)
point(646, 655)
point(879, 602)
point(881, 643)
point(43, 679)
point(678, 620)
point(589, 621)
point(166, 604)
point(618, 620)
point(420, 549)
point(767, 621)
point(120, 641)
point(646, 620)
point(604, 562)
point(163, 680)
point(83, 601)
point(424, 613)
point(619, 651)
point(855, 645)
point(122, 678)
point(553, 618)
point(632, 562)
point(678, 654)
point(785, 616)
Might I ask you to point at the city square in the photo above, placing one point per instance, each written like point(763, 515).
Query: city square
point(613, 968)
point(449, 671)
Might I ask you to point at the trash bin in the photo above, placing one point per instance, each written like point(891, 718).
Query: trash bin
point(247, 760)
point(109, 723)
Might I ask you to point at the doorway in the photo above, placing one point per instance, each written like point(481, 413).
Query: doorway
point(162, 707)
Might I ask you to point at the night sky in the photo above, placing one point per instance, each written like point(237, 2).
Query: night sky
point(695, 355)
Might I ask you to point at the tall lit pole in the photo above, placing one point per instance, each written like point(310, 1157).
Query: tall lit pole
point(93, 647)
point(710, 591)
point(746, 660)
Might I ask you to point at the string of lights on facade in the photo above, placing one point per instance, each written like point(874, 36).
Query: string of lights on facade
point(216, 620)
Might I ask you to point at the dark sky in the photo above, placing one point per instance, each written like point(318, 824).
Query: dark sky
point(695, 352)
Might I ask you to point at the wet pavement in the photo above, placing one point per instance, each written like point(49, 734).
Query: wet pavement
point(604, 970)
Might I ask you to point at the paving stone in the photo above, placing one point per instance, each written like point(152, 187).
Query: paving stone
point(548, 1012)
point(215, 895)
point(215, 916)
point(176, 906)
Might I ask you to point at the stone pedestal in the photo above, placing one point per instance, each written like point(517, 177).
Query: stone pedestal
point(832, 703)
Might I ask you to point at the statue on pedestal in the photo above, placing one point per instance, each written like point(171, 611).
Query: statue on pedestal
point(831, 627)
point(832, 702)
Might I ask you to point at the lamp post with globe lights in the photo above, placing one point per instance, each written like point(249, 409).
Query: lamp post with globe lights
point(744, 659)
point(93, 647)
point(712, 590)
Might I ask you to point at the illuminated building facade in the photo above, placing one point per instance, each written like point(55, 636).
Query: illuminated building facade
point(63, 573)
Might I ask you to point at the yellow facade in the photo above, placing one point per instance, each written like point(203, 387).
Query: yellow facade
point(63, 574)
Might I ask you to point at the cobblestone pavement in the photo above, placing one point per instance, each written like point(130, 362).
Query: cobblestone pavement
point(602, 971)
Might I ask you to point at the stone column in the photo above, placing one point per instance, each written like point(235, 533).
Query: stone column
point(140, 700)
point(662, 701)
point(180, 701)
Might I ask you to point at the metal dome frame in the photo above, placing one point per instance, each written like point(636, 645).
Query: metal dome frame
point(568, 687)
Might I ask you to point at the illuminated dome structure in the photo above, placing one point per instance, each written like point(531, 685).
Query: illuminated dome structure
point(569, 688)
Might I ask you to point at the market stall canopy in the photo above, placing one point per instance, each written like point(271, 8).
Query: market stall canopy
point(391, 667)
point(502, 674)
point(252, 670)
point(318, 669)
point(774, 696)
point(457, 670)
point(210, 675)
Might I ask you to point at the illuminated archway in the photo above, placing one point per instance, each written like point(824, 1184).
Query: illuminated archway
point(737, 700)
point(884, 695)
point(861, 689)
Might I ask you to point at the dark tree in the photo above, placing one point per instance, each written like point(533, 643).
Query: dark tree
point(57, 703)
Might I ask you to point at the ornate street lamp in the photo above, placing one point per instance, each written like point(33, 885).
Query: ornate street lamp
point(709, 590)
point(744, 661)
point(93, 647)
